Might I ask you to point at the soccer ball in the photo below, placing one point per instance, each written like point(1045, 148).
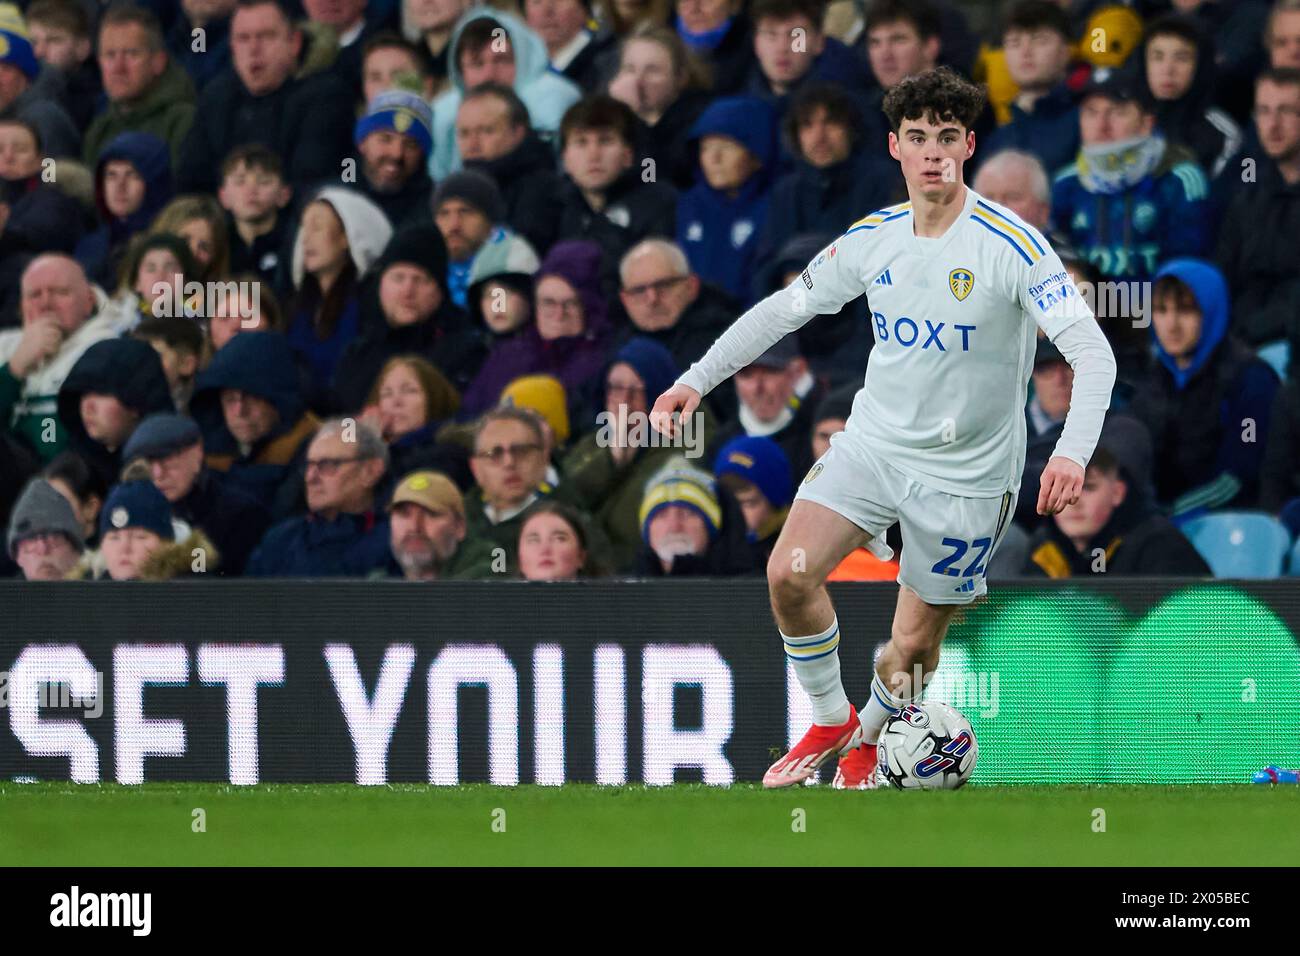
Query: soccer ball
point(926, 746)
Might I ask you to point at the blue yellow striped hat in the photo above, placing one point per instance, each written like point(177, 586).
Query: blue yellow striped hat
point(678, 483)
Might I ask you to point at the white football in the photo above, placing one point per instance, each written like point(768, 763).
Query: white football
point(926, 746)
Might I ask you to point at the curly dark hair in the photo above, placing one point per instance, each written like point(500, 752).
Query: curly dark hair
point(937, 95)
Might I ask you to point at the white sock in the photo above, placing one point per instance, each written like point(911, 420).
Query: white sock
point(817, 665)
point(880, 706)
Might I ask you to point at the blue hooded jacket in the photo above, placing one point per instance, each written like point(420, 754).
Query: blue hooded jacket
point(547, 94)
point(1211, 292)
point(1197, 415)
point(100, 252)
point(719, 232)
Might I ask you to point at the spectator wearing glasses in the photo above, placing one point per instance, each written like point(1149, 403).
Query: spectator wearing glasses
point(509, 466)
point(341, 535)
point(567, 338)
point(669, 304)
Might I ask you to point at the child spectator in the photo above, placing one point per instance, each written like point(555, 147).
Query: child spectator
point(112, 387)
point(605, 198)
point(500, 294)
point(719, 221)
point(757, 473)
point(254, 193)
point(152, 260)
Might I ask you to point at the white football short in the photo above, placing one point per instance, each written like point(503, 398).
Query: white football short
point(948, 540)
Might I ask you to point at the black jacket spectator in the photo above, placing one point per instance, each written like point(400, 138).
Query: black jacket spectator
point(446, 338)
point(634, 210)
point(126, 369)
point(270, 470)
point(1192, 120)
point(1136, 541)
point(1200, 417)
point(668, 141)
point(301, 121)
point(531, 187)
point(1279, 479)
point(234, 520)
point(1261, 266)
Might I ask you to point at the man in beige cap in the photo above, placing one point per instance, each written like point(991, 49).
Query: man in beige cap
point(427, 532)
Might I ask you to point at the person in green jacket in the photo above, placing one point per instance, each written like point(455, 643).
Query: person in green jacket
point(146, 91)
point(606, 471)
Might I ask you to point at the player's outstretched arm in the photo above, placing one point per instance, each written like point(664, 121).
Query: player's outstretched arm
point(679, 398)
point(833, 278)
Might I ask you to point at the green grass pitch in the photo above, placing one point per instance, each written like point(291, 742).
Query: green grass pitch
point(48, 824)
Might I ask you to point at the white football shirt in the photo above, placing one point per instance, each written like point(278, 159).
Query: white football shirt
point(954, 320)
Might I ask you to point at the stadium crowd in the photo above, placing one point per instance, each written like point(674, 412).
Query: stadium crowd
point(387, 289)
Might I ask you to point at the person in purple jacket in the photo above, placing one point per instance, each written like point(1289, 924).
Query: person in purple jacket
point(567, 338)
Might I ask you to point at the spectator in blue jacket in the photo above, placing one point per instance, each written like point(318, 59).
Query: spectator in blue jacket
point(1130, 201)
point(342, 534)
point(1208, 401)
point(1044, 117)
point(836, 179)
point(720, 219)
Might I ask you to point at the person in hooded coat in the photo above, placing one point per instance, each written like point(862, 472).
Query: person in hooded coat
point(409, 315)
point(126, 370)
point(720, 219)
point(100, 252)
point(546, 94)
point(608, 481)
point(572, 358)
point(1205, 391)
point(268, 466)
point(341, 234)
point(1184, 105)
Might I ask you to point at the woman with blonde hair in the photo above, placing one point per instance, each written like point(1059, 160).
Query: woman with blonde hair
point(201, 222)
point(409, 402)
point(666, 86)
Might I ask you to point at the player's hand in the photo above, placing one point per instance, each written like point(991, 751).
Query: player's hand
point(41, 339)
point(679, 398)
point(1060, 485)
